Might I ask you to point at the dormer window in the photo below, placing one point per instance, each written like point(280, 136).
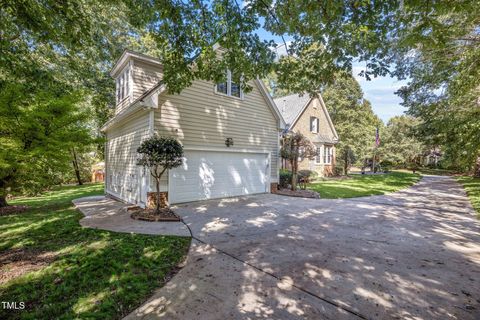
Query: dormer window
point(229, 88)
point(123, 85)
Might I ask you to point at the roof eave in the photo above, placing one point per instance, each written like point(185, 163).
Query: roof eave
point(129, 54)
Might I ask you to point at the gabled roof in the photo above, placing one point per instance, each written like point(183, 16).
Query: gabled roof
point(145, 99)
point(126, 56)
point(290, 107)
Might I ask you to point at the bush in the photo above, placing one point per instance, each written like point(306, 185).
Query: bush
point(285, 178)
point(338, 171)
point(307, 174)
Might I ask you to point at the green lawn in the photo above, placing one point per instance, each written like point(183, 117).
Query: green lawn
point(90, 273)
point(472, 185)
point(364, 185)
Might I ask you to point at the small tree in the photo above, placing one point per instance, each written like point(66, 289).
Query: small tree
point(295, 146)
point(160, 154)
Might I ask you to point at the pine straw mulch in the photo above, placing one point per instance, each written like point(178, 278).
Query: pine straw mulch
point(298, 193)
point(5, 211)
point(166, 214)
point(17, 262)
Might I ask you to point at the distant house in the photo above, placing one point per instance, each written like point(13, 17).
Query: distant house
point(432, 157)
point(98, 172)
point(230, 137)
point(310, 117)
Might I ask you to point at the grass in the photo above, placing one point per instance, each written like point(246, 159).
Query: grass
point(364, 185)
point(437, 172)
point(95, 274)
point(472, 186)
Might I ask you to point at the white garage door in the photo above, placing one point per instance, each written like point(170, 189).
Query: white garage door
point(209, 175)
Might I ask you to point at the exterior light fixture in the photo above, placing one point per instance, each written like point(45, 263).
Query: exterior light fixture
point(229, 142)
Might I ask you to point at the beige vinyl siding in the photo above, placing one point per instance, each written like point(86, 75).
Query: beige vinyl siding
point(201, 119)
point(122, 105)
point(145, 76)
point(122, 174)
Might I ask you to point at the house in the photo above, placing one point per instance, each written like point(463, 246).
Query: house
point(230, 137)
point(98, 172)
point(310, 117)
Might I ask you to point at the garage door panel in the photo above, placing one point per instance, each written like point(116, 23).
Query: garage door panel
point(208, 175)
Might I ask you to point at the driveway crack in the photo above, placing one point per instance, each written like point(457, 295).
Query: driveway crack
point(308, 292)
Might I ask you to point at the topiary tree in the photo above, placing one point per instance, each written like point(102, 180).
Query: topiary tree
point(295, 146)
point(160, 154)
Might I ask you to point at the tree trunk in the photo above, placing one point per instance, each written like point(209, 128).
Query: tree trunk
point(345, 163)
point(157, 202)
point(476, 172)
point(76, 167)
point(294, 164)
point(3, 201)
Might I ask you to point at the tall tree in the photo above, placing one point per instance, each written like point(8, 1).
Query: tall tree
point(400, 142)
point(353, 118)
point(37, 130)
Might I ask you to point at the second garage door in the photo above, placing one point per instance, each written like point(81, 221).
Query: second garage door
point(212, 174)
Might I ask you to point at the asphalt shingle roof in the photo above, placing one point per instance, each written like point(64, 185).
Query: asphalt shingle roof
point(290, 106)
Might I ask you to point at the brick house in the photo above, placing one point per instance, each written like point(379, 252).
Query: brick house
point(310, 117)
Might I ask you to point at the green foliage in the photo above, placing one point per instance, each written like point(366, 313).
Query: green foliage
point(400, 146)
point(55, 90)
point(307, 174)
point(39, 126)
point(95, 274)
point(364, 185)
point(353, 118)
point(296, 146)
point(160, 154)
point(472, 186)
point(285, 178)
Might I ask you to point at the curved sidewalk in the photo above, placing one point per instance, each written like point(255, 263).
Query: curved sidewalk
point(108, 214)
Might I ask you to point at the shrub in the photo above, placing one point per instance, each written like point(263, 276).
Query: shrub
point(159, 154)
point(285, 178)
point(307, 174)
point(305, 177)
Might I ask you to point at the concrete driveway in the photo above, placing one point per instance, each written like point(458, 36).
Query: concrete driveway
point(414, 254)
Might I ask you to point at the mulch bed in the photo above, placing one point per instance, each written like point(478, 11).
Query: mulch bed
point(17, 262)
point(166, 214)
point(12, 210)
point(298, 193)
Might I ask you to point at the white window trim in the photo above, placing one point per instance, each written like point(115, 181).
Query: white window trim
point(229, 88)
point(318, 155)
point(317, 124)
point(328, 156)
point(121, 90)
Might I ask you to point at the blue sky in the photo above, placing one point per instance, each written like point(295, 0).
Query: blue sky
point(379, 91)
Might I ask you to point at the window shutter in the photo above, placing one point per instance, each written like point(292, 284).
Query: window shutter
point(318, 125)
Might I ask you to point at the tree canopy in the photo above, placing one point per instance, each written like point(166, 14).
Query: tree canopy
point(353, 118)
point(63, 50)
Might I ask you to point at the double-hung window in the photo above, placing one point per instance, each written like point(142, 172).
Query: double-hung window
point(123, 85)
point(327, 154)
point(229, 87)
point(314, 123)
point(318, 154)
